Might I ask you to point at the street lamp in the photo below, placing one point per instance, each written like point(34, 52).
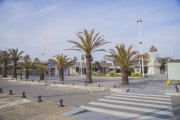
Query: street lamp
point(140, 43)
point(81, 61)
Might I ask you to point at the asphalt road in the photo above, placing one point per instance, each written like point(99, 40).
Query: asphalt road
point(73, 97)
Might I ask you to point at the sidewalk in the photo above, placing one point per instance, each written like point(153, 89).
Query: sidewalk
point(32, 110)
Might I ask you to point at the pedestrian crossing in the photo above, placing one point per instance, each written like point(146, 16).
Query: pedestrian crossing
point(134, 106)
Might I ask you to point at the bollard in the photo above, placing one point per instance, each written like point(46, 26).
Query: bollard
point(45, 81)
point(1, 90)
point(99, 85)
point(73, 83)
point(54, 82)
point(32, 80)
point(63, 83)
point(85, 84)
point(23, 95)
point(39, 98)
point(114, 86)
point(39, 81)
point(10, 92)
point(61, 103)
point(16, 78)
point(177, 89)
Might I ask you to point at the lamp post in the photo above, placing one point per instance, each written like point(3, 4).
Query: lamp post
point(81, 61)
point(140, 43)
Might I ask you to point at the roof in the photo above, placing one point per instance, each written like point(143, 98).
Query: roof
point(175, 60)
point(153, 49)
point(77, 64)
point(105, 64)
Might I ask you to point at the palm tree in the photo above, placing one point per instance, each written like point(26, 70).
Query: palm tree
point(4, 57)
point(89, 43)
point(62, 61)
point(124, 58)
point(27, 64)
point(15, 55)
point(40, 67)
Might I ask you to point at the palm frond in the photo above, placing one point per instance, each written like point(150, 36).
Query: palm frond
point(89, 42)
point(123, 57)
point(61, 61)
point(99, 50)
point(78, 45)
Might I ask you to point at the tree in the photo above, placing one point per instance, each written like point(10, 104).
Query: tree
point(41, 67)
point(89, 43)
point(97, 66)
point(62, 61)
point(124, 58)
point(36, 62)
point(15, 55)
point(4, 57)
point(27, 64)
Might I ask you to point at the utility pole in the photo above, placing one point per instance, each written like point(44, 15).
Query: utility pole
point(141, 45)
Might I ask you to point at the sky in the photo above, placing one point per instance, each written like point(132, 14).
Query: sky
point(44, 26)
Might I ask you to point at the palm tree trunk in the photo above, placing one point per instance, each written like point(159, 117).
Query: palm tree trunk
point(5, 69)
point(27, 74)
point(88, 69)
point(42, 76)
point(61, 74)
point(125, 80)
point(14, 73)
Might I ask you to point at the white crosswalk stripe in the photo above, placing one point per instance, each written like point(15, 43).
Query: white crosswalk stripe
point(140, 100)
point(134, 106)
point(144, 97)
point(150, 95)
point(135, 103)
point(122, 114)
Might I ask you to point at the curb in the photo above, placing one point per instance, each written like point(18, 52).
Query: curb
point(117, 90)
point(27, 82)
point(125, 90)
point(79, 87)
